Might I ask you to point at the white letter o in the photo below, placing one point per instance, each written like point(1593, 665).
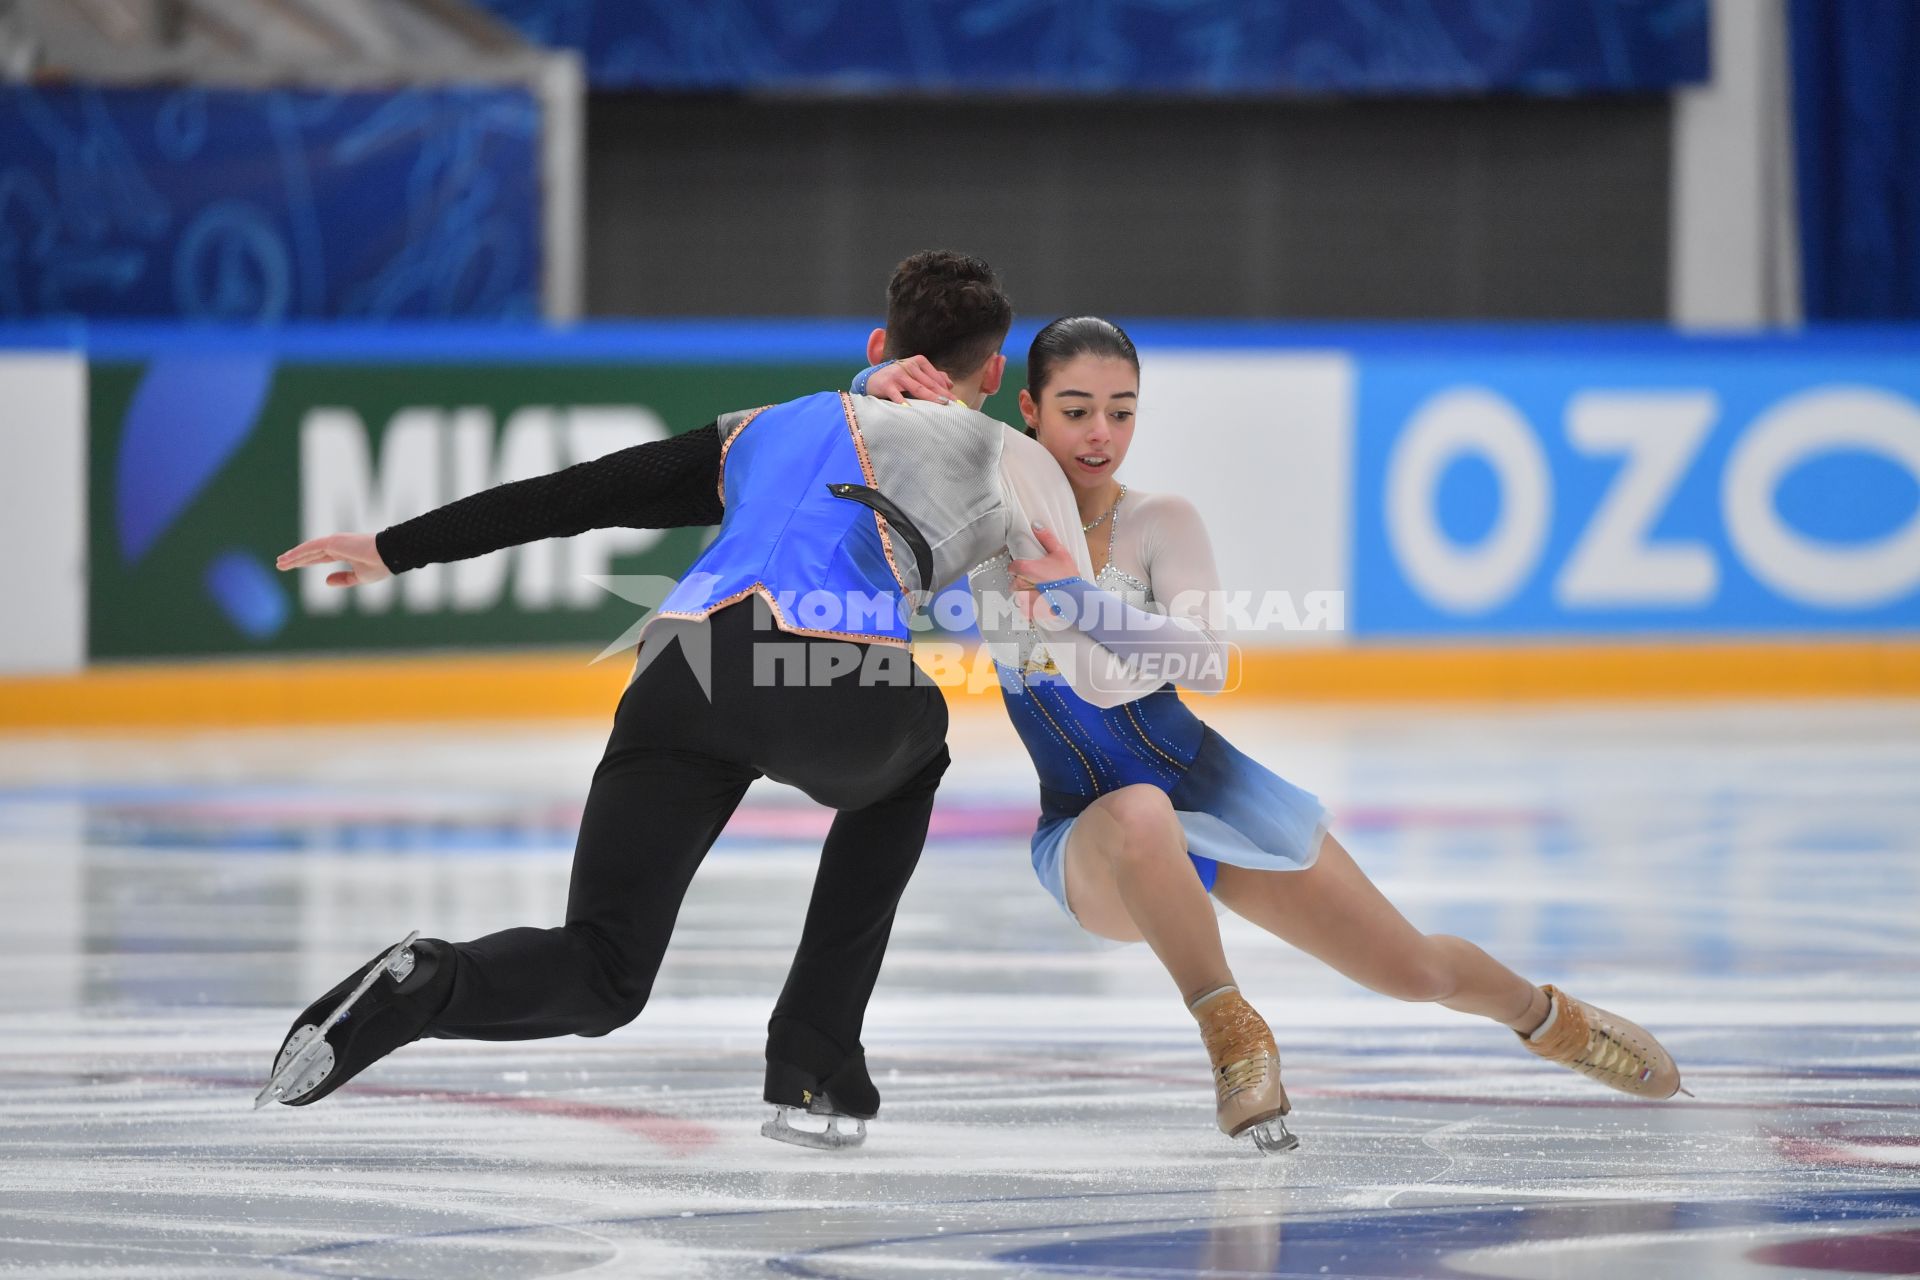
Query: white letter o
point(1453, 423)
point(1799, 428)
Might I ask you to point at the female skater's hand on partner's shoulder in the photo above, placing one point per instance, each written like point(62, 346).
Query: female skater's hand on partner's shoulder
point(362, 558)
point(913, 378)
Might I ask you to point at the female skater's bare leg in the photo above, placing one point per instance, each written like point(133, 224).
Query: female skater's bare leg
point(1334, 913)
point(1129, 879)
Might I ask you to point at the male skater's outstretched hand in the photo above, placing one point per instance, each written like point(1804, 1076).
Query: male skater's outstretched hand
point(362, 558)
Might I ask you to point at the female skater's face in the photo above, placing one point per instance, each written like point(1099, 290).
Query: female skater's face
point(1084, 417)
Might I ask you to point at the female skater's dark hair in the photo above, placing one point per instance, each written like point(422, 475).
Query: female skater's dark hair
point(948, 307)
point(1071, 336)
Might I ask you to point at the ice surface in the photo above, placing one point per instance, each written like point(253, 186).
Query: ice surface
point(1743, 880)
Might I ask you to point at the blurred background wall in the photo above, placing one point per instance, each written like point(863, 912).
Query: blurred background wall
point(1515, 208)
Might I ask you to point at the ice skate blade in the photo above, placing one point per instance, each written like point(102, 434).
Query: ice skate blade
point(292, 1077)
point(1272, 1136)
point(839, 1134)
point(305, 1060)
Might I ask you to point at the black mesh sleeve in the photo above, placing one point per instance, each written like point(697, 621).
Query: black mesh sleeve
point(666, 484)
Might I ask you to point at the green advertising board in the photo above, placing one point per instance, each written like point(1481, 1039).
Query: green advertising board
point(204, 468)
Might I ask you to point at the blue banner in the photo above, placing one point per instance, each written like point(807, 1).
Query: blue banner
point(1372, 47)
point(1678, 490)
point(260, 207)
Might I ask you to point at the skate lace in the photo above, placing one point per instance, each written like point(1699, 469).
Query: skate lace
point(1247, 1073)
point(1608, 1053)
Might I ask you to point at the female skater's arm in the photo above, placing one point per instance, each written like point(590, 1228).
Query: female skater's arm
point(1039, 501)
point(904, 379)
point(1185, 580)
point(1178, 645)
point(664, 484)
point(1037, 496)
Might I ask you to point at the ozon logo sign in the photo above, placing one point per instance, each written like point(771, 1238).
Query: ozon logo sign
point(1652, 440)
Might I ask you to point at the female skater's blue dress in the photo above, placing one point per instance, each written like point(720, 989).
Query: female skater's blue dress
point(1232, 809)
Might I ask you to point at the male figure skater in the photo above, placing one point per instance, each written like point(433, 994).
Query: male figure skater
point(827, 497)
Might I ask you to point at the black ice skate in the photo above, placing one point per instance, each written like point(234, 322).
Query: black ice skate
point(827, 1114)
point(815, 1104)
point(385, 1004)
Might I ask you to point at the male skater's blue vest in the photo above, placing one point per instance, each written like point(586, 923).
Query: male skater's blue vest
point(821, 561)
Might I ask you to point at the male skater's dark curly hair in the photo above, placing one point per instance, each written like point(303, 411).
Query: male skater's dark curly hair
point(948, 307)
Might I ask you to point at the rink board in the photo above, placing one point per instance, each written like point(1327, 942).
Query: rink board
point(548, 684)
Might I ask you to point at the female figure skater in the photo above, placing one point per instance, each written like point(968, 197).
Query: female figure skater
point(1145, 810)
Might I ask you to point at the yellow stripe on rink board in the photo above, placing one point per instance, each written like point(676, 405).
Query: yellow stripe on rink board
point(1624, 670)
point(318, 691)
point(548, 683)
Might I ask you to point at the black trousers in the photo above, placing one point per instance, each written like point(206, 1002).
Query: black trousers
point(854, 726)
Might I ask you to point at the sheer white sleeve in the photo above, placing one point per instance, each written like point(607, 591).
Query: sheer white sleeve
point(1172, 643)
point(1113, 652)
point(1036, 493)
point(1178, 555)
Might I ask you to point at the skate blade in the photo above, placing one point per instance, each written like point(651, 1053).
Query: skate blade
point(840, 1133)
point(291, 1071)
point(1273, 1137)
point(304, 1062)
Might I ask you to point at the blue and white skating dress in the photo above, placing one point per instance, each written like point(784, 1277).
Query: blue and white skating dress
point(1129, 726)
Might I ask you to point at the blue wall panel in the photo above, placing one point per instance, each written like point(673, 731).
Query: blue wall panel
point(1856, 116)
point(1105, 46)
point(268, 206)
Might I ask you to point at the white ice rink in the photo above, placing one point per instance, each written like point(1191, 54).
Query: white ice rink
point(1743, 880)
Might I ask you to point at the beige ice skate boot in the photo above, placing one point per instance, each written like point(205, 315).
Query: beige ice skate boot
point(1248, 1095)
point(1603, 1046)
